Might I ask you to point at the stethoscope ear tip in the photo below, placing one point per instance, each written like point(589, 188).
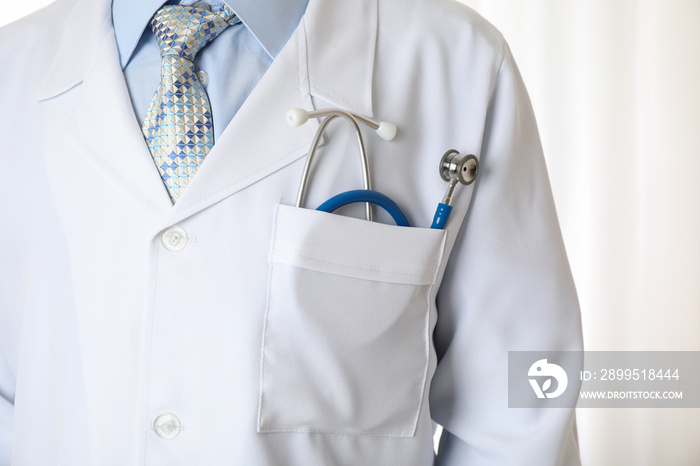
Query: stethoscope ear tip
point(386, 131)
point(297, 117)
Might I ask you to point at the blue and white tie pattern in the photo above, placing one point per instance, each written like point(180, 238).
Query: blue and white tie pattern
point(178, 124)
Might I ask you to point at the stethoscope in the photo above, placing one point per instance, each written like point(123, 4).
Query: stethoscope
point(455, 168)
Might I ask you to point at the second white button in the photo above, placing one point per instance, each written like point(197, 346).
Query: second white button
point(167, 426)
point(174, 238)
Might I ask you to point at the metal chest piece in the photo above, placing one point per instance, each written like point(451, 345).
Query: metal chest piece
point(457, 168)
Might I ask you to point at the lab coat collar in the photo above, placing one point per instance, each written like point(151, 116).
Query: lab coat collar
point(342, 40)
point(271, 21)
point(339, 33)
point(256, 143)
point(76, 48)
point(312, 63)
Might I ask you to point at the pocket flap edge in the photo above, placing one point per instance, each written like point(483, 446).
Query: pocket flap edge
point(351, 247)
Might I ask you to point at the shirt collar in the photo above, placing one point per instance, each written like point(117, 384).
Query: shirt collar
point(271, 21)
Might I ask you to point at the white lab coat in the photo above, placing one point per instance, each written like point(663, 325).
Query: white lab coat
point(277, 335)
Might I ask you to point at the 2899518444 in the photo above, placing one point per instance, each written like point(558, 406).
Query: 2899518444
point(631, 374)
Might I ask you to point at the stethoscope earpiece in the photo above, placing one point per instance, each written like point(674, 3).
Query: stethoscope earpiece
point(297, 117)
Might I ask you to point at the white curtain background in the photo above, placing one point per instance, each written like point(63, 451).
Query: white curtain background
point(616, 89)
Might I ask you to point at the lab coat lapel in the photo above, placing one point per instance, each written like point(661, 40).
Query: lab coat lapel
point(103, 125)
point(105, 121)
point(258, 141)
point(330, 56)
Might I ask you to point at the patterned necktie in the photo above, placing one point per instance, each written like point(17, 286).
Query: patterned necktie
point(178, 124)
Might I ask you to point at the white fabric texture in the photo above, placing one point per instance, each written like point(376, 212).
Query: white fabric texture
point(614, 86)
point(348, 301)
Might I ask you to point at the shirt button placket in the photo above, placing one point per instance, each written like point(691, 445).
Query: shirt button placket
point(203, 77)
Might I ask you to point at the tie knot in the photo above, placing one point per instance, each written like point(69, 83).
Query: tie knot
point(184, 30)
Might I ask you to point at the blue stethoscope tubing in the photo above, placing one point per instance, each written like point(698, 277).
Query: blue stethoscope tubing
point(369, 196)
point(442, 213)
point(454, 168)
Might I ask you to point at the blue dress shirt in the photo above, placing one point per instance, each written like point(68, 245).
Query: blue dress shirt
point(235, 61)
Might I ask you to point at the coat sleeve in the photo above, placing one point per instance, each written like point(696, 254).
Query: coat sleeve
point(507, 287)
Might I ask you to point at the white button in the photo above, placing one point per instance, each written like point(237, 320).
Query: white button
point(203, 77)
point(167, 426)
point(202, 5)
point(174, 238)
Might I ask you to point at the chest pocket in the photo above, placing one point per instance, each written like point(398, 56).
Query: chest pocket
point(346, 338)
